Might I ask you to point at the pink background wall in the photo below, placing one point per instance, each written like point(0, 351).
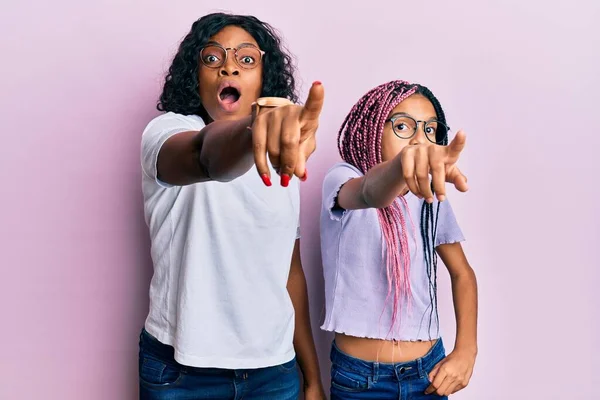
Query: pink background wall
point(79, 82)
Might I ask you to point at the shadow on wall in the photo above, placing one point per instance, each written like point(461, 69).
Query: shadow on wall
point(141, 266)
point(313, 269)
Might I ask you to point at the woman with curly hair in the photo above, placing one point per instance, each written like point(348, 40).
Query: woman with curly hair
point(228, 303)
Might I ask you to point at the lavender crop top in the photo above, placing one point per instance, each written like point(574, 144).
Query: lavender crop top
point(353, 253)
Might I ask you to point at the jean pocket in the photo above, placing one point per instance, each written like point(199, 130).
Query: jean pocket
point(157, 373)
point(418, 385)
point(348, 381)
point(288, 367)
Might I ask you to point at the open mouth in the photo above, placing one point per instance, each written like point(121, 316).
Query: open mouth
point(229, 95)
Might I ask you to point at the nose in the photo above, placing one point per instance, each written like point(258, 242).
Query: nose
point(419, 137)
point(230, 67)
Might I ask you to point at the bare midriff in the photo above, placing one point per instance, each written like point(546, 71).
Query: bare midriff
point(384, 351)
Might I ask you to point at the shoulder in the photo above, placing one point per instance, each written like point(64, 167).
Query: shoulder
point(343, 169)
point(171, 120)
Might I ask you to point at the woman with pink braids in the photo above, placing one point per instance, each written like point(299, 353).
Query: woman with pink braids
point(384, 221)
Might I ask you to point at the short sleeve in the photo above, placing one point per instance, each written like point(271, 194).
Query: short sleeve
point(158, 131)
point(448, 230)
point(333, 182)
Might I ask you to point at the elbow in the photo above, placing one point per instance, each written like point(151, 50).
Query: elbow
point(465, 274)
point(370, 199)
point(374, 202)
point(384, 203)
point(212, 171)
point(221, 173)
point(218, 176)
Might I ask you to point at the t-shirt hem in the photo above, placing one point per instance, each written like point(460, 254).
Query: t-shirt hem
point(216, 361)
point(449, 240)
point(159, 146)
point(337, 214)
point(370, 335)
point(233, 363)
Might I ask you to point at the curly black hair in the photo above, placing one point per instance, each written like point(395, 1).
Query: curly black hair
point(181, 93)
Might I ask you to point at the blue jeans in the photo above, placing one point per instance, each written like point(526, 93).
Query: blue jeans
point(352, 378)
point(163, 378)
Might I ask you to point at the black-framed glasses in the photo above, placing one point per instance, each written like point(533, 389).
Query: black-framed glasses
point(405, 127)
point(247, 56)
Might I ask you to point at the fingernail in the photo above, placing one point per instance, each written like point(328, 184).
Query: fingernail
point(285, 180)
point(429, 200)
point(442, 198)
point(266, 180)
point(317, 83)
point(305, 177)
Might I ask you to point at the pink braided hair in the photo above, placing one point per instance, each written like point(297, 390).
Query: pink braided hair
point(359, 144)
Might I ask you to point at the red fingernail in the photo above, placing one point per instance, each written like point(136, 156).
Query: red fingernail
point(317, 83)
point(266, 179)
point(305, 177)
point(285, 180)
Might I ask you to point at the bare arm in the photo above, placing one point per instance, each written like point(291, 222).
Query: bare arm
point(303, 339)
point(454, 372)
point(221, 151)
point(377, 189)
point(410, 169)
point(464, 293)
point(225, 150)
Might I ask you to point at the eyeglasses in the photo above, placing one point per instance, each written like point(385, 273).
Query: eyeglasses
point(247, 56)
point(405, 127)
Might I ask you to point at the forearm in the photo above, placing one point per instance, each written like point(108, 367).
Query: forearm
point(464, 292)
point(221, 151)
point(303, 339)
point(380, 186)
point(225, 149)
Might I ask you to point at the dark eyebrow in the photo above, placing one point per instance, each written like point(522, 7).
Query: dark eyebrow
point(213, 43)
point(403, 114)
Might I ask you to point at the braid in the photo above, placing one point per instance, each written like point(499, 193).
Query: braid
point(359, 144)
point(429, 221)
point(429, 227)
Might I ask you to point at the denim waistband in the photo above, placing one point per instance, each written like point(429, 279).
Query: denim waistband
point(403, 370)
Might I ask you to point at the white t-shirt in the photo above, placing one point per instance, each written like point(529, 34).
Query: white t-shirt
point(221, 255)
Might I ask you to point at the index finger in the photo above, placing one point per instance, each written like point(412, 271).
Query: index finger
point(259, 147)
point(432, 376)
point(314, 103)
point(440, 379)
point(456, 147)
